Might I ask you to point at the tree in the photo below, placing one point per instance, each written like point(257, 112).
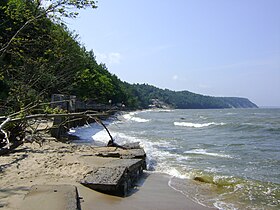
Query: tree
point(33, 10)
point(38, 55)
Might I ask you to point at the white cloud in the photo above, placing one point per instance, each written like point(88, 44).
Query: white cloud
point(109, 58)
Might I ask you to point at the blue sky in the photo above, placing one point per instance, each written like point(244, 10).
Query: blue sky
point(211, 47)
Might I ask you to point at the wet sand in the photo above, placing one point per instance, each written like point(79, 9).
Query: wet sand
point(152, 193)
point(57, 163)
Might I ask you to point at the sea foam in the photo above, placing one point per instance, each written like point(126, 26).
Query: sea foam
point(130, 116)
point(158, 160)
point(196, 125)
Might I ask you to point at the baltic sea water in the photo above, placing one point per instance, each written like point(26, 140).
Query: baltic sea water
point(227, 158)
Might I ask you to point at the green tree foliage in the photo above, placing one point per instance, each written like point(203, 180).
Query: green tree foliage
point(25, 12)
point(185, 99)
point(94, 81)
point(44, 57)
point(38, 59)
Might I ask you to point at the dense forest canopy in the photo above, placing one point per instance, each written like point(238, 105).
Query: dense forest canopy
point(39, 56)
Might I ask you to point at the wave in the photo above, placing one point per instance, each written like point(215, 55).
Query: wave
point(228, 192)
point(196, 125)
point(157, 110)
point(164, 110)
point(247, 127)
point(86, 131)
point(203, 117)
point(181, 157)
point(273, 130)
point(160, 154)
point(230, 113)
point(204, 152)
point(130, 116)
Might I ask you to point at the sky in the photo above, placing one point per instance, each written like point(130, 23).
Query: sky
point(210, 47)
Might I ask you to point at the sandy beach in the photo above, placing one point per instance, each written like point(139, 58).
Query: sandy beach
point(56, 163)
point(152, 193)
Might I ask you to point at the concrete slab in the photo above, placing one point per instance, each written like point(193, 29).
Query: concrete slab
point(55, 197)
point(114, 152)
point(115, 176)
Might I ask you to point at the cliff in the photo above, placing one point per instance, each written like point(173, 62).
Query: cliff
point(235, 102)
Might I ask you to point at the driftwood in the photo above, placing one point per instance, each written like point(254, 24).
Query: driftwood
point(14, 130)
point(111, 142)
point(48, 116)
point(5, 138)
point(11, 136)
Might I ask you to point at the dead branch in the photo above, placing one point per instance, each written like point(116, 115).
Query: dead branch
point(14, 131)
point(6, 137)
point(101, 123)
point(49, 116)
point(112, 142)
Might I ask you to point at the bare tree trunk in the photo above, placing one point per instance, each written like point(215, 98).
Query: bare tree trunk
point(14, 131)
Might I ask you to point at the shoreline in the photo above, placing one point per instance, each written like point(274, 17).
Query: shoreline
point(151, 192)
point(59, 164)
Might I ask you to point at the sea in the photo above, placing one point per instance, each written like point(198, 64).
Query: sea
point(226, 158)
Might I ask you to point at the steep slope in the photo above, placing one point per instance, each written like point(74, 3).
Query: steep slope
point(235, 102)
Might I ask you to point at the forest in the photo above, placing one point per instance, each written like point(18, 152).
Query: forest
point(40, 56)
point(186, 100)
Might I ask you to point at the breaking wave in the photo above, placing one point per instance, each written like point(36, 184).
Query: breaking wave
point(196, 125)
point(130, 116)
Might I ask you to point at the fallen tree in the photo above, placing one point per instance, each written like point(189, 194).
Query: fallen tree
point(18, 128)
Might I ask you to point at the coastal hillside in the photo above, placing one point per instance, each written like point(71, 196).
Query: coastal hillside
point(148, 96)
point(236, 102)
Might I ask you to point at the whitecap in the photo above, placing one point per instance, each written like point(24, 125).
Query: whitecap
point(138, 119)
point(196, 125)
point(158, 160)
point(165, 110)
point(204, 152)
point(156, 110)
point(203, 117)
point(130, 116)
point(231, 113)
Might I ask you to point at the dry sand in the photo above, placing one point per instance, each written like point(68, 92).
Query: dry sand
point(56, 163)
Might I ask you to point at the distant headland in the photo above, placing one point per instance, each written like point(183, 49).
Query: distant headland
point(153, 97)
